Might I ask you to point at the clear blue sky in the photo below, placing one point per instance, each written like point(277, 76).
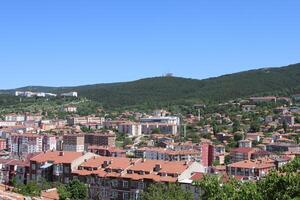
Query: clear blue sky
point(73, 42)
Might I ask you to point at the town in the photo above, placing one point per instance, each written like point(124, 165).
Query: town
point(121, 155)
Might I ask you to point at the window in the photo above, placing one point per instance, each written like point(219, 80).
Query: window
point(125, 184)
point(114, 194)
point(134, 196)
point(141, 185)
point(114, 183)
point(66, 169)
point(125, 195)
point(33, 166)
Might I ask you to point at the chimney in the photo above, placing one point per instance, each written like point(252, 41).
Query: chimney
point(61, 153)
point(157, 167)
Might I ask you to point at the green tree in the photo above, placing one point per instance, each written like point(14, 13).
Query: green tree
point(236, 126)
point(77, 189)
point(166, 192)
point(31, 189)
point(63, 192)
point(275, 186)
point(255, 126)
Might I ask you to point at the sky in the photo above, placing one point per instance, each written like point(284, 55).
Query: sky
point(76, 42)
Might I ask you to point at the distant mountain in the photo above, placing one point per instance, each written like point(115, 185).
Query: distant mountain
point(172, 90)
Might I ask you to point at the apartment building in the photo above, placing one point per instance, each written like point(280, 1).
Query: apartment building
point(107, 151)
point(163, 128)
point(22, 145)
point(69, 94)
point(207, 154)
point(124, 178)
point(74, 142)
point(100, 138)
point(85, 120)
point(165, 120)
point(263, 99)
point(70, 109)
point(167, 154)
point(3, 144)
point(130, 128)
point(245, 143)
point(251, 168)
point(49, 142)
point(240, 154)
point(283, 147)
point(56, 166)
point(15, 118)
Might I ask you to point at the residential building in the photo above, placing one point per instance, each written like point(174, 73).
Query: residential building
point(283, 147)
point(263, 99)
point(168, 120)
point(240, 154)
point(14, 118)
point(163, 128)
point(69, 94)
point(70, 109)
point(124, 178)
point(3, 144)
point(24, 144)
point(100, 138)
point(245, 143)
point(207, 154)
point(74, 142)
point(250, 168)
point(288, 119)
point(56, 166)
point(107, 151)
point(130, 128)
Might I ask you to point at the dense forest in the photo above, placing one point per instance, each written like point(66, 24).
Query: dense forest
point(162, 91)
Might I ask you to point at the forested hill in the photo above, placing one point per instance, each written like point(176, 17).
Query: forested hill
point(172, 90)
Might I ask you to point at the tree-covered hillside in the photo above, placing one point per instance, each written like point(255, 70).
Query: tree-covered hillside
point(173, 90)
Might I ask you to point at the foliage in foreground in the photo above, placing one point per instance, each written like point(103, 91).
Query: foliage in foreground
point(75, 190)
point(166, 192)
point(212, 187)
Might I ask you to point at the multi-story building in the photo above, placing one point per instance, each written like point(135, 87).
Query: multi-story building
point(167, 154)
point(70, 109)
point(3, 143)
point(85, 120)
point(283, 147)
point(207, 154)
point(69, 94)
point(251, 168)
point(124, 178)
point(163, 128)
point(33, 94)
point(107, 151)
point(168, 120)
point(56, 166)
point(288, 119)
point(8, 123)
point(74, 142)
point(24, 144)
point(245, 143)
point(240, 154)
point(33, 117)
point(263, 99)
point(100, 139)
point(14, 118)
point(130, 128)
point(49, 142)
